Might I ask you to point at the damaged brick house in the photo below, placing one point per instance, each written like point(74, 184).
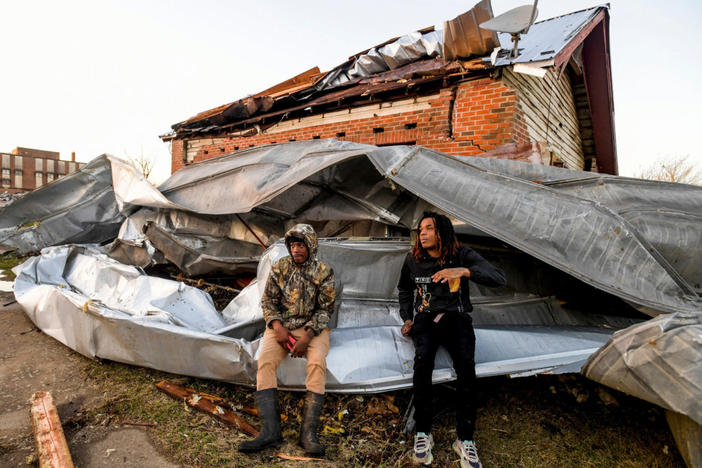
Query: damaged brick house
point(453, 91)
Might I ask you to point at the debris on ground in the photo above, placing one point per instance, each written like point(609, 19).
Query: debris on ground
point(296, 458)
point(52, 449)
point(207, 405)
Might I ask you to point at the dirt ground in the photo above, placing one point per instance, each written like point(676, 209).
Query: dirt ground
point(31, 361)
point(537, 421)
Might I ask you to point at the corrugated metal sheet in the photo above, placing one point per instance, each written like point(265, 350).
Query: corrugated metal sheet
point(640, 360)
point(463, 37)
point(79, 207)
point(167, 325)
point(636, 240)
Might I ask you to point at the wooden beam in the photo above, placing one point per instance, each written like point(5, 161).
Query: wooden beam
point(206, 404)
point(306, 79)
point(598, 82)
point(52, 449)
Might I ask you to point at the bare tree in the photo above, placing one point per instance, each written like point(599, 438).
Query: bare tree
point(673, 169)
point(144, 164)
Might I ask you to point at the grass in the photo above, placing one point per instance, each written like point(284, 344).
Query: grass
point(8, 261)
point(535, 421)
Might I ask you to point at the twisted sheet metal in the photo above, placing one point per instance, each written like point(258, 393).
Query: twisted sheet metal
point(105, 309)
point(641, 359)
point(633, 239)
point(79, 207)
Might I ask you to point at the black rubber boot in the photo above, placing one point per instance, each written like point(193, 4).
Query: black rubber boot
point(310, 423)
point(269, 413)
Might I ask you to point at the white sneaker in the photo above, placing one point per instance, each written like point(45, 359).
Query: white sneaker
point(468, 453)
point(422, 448)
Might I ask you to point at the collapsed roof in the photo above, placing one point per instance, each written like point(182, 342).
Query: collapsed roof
point(426, 59)
point(626, 241)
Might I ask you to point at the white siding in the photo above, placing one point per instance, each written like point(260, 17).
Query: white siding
point(549, 110)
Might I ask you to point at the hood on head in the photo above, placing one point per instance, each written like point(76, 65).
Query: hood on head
point(307, 234)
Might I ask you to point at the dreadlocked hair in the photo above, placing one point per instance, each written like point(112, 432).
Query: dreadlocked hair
point(448, 244)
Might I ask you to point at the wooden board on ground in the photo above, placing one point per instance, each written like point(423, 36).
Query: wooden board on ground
point(52, 449)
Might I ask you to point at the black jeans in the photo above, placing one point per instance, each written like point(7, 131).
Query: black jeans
point(455, 332)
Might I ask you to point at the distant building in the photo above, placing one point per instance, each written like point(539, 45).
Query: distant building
point(26, 169)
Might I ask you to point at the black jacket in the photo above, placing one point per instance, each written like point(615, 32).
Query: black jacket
point(433, 297)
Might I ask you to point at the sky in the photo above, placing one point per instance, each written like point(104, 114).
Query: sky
point(110, 77)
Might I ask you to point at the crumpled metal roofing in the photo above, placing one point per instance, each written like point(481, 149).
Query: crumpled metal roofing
point(598, 228)
point(406, 49)
point(627, 237)
point(567, 229)
point(79, 207)
point(463, 36)
point(640, 360)
point(69, 292)
point(603, 229)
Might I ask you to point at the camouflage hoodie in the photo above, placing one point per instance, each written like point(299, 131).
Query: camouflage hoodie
point(300, 295)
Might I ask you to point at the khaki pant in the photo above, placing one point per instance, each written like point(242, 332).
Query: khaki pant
point(272, 354)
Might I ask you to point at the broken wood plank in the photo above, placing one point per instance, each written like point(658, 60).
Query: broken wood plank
point(199, 283)
point(192, 398)
point(296, 458)
point(52, 449)
point(254, 412)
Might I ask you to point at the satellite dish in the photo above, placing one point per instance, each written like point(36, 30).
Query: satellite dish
point(515, 22)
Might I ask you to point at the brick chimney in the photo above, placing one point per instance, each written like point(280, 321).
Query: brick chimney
point(73, 156)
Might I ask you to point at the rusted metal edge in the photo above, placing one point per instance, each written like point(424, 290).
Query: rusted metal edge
point(464, 38)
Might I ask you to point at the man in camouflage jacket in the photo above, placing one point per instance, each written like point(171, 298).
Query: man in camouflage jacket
point(297, 303)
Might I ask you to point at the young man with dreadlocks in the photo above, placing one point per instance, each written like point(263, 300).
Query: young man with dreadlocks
point(434, 304)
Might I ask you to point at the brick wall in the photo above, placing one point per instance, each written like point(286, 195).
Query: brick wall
point(466, 119)
point(177, 155)
point(29, 166)
point(35, 153)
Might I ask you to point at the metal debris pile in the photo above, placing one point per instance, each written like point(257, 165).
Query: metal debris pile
point(590, 259)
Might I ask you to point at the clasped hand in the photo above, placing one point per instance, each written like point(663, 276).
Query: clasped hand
point(282, 334)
